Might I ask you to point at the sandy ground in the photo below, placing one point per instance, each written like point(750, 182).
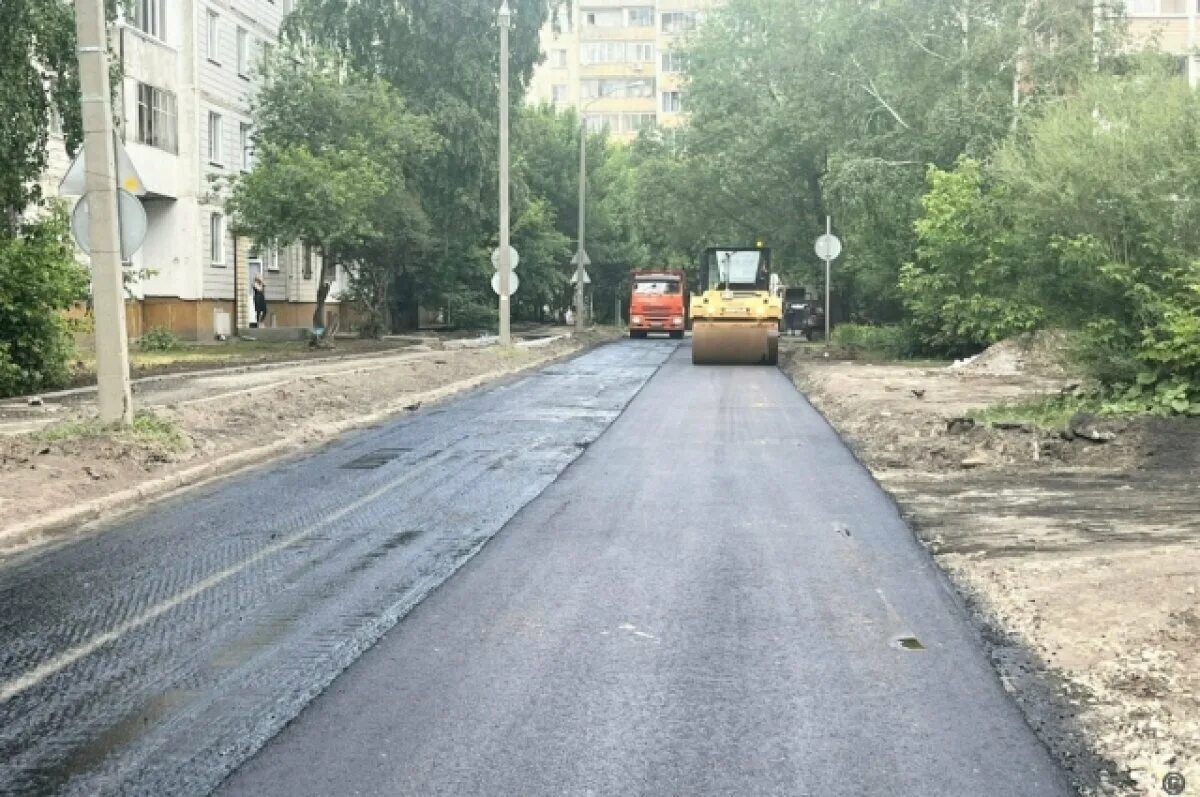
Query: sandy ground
point(222, 413)
point(1078, 557)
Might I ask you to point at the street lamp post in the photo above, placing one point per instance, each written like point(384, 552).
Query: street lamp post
point(505, 266)
point(579, 253)
point(579, 326)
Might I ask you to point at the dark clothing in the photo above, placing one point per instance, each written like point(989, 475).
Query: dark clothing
point(260, 304)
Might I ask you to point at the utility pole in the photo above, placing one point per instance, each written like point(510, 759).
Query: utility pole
point(108, 291)
point(579, 326)
point(828, 260)
point(505, 265)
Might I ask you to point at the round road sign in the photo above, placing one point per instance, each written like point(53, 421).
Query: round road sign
point(513, 283)
point(132, 220)
point(828, 247)
point(513, 258)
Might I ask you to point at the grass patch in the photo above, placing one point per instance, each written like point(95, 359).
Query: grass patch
point(1045, 412)
point(147, 430)
point(885, 342)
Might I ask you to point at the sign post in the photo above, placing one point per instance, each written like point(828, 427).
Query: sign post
point(828, 248)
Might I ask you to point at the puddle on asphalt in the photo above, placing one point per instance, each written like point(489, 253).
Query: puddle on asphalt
point(119, 736)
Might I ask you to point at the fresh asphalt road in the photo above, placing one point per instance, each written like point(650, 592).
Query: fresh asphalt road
point(154, 655)
point(708, 601)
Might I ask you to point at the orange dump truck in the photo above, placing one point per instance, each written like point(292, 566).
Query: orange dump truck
point(656, 303)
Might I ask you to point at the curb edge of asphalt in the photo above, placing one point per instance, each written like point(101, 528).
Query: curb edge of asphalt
point(31, 534)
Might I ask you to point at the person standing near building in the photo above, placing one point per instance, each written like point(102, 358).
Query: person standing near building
point(260, 302)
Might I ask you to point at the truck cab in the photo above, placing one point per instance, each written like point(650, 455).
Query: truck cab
point(656, 303)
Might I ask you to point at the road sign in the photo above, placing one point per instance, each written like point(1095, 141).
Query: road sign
point(513, 258)
point(828, 247)
point(587, 261)
point(513, 283)
point(132, 219)
point(128, 179)
point(587, 278)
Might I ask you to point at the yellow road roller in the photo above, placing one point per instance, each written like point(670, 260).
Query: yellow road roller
point(735, 317)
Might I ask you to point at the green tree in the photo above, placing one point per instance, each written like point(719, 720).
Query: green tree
point(1083, 219)
point(546, 167)
point(442, 57)
point(38, 62)
point(39, 277)
point(801, 108)
point(336, 152)
point(963, 291)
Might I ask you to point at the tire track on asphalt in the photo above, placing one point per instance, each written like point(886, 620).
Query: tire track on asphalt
point(212, 629)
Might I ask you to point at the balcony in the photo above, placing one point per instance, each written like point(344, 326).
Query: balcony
point(628, 69)
point(599, 33)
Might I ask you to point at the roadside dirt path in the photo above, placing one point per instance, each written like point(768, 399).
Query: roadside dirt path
point(224, 414)
point(1078, 558)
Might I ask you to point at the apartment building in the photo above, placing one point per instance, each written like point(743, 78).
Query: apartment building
point(1173, 24)
point(190, 69)
point(617, 62)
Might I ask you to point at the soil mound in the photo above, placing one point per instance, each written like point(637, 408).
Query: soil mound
point(1043, 353)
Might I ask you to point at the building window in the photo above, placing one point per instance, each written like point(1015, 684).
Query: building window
point(679, 21)
point(157, 118)
point(216, 239)
point(637, 122)
point(263, 258)
point(247, 145)
point(214, 38)
point(641, 17)
point(592, 89)
point(607, 18)
point(600, 122)
point(307, 268)
point(617, 52)
point(674, 62)
point(558, 93)
point(672, 101)
point(560, 59)
point(243, 52)
point(215, 131)
point(150, 16)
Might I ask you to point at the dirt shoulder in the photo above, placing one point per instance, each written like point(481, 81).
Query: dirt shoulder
point(206, 426)
point(1078, 556)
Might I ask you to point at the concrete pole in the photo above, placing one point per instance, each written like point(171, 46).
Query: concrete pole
point(505, 265)
point(108, 291)
point(828, 231)
point(579, 326)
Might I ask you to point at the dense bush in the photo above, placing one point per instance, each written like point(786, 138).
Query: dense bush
point(39, 280)
point(890, 341)
point(158, 339)
point(465, 312)
point(1086, 220)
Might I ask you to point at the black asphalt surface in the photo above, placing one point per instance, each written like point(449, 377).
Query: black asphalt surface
point(710, 601)
point(155, 655)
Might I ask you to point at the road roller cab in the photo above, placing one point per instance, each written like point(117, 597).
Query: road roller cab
point(735, 316)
